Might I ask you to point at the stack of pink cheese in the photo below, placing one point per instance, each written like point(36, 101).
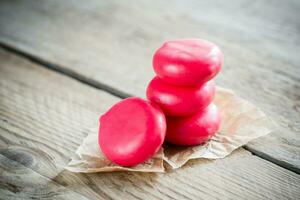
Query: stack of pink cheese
point(184, 89)
point(179, 108)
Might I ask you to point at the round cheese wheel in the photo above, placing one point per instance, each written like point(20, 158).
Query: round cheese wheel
point(131, 131)
point(187, 61)
point(180, 101)
point(195, 129)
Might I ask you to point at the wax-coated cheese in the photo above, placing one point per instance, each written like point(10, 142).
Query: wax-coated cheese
point(180, 101)
point(194, 129)
point(187, 61)
point(131, 131)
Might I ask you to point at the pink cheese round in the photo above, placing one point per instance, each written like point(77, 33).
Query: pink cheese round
point(180, 101)
point(131, 131)
point(195, 129)
point(187, 62)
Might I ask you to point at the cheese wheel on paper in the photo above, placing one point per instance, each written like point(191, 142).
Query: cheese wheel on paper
point(131, 131)
point(187, 62)
point(195, 129)
point(180, 101)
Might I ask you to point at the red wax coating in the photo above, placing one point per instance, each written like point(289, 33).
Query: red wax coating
point(180, 101)
point(194, 129)
point(131, 131)
point(188, 61)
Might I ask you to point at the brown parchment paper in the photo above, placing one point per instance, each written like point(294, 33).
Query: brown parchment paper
point(89, 159)
point(241, 123)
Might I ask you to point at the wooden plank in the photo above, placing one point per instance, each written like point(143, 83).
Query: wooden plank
point(19, 182)
point(45, 115)
point(110, 43)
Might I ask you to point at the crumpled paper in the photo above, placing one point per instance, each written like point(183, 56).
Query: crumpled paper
point(89, 159)
point(241, 123)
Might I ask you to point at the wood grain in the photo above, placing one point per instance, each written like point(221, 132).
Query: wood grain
point(44, 116)
point(20, 182)
point(109, 44)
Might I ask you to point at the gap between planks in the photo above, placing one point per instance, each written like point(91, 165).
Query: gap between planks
point(118, 93)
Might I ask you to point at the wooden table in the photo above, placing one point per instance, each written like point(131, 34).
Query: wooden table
point(65, 62)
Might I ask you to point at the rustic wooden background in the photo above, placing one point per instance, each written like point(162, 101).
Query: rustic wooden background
point(62, 63)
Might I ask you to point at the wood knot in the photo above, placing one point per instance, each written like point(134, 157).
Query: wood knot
point(17, 158)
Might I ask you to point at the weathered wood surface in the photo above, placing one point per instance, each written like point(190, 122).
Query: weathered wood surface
point(43, 118)
point(110, 44)
point(20, 182)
